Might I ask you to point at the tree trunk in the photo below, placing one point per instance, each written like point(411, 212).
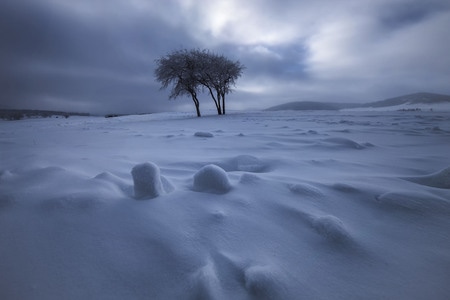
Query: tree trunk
point(219, 109)
point(197, 107)
point(197, 104)
point(216, 101)
point(223, 103)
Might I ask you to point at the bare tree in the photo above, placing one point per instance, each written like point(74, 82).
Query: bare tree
point(187, 71)
point(178, 69)
point(218, 74)
point(205, 75)
point(227, 74)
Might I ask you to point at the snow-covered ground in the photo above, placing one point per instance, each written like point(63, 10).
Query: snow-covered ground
point(438, 107)
point(257, 205)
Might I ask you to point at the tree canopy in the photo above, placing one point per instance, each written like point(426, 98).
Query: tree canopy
point(190, 71)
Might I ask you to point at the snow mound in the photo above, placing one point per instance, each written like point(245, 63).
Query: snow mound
point(344, 143)
point(148, 182)
point(245, 163)
point(204, 134)
point(249, 178)
point(264, 282)
point(305, 189)
point(331, 228)
point(345, 188)
point(115, 180)
point(57, 189)
point(212, 178)
point(414, 201)
point(439, 179)
point(205, 283)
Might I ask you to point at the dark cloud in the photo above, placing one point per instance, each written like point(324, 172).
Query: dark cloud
point(400, 14)
point(99, 56)
point(56, 59)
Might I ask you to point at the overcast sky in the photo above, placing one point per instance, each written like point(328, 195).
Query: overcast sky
point(98, 55)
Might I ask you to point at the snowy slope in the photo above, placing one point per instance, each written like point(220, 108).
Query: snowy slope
point(411, 102)
point(311, 105)
point(260, 205)
point(416, 98)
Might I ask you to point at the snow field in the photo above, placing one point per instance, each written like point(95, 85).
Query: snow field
point(279, 205)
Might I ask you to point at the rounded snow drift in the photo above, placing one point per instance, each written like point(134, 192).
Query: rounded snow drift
point(414, 202)
point(249, 178)
point(439, 179)
point(211, 178)
point(331, 228)
point(305, 189)
point(147, 181)
point(246, 163)
point(204, 134)
point(264, 282)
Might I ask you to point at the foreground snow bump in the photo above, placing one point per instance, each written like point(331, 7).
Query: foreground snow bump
point(212, 178)
point(147, 181)
point(245, 163)
point(419, 202)
point(264, 282)
point(344, 143)
point(331, 228)
point(305, 189)
point(204, 134)
point(439, 179)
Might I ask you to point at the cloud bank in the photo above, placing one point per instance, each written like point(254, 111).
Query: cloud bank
point(96, 56)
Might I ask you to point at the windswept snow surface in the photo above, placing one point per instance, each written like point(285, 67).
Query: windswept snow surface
point(260, 205)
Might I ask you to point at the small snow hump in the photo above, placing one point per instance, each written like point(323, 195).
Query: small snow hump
point(204, 134)
point(344, 143)
point(265, 282)
point(211, 178)
point(246, 163)
point(439, 179)
point(305, 189)
point(249, 178)
point(147, 181)
point(331, 228)
point(414, 201)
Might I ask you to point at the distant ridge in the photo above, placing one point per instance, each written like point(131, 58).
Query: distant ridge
point(417, 98)
point(17, 114)
point(311, 105)
point(410, 99)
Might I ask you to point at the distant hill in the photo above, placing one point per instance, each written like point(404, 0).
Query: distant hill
point(417, 98)
point(311, 105)
point(402, 102)
point(18, 114)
